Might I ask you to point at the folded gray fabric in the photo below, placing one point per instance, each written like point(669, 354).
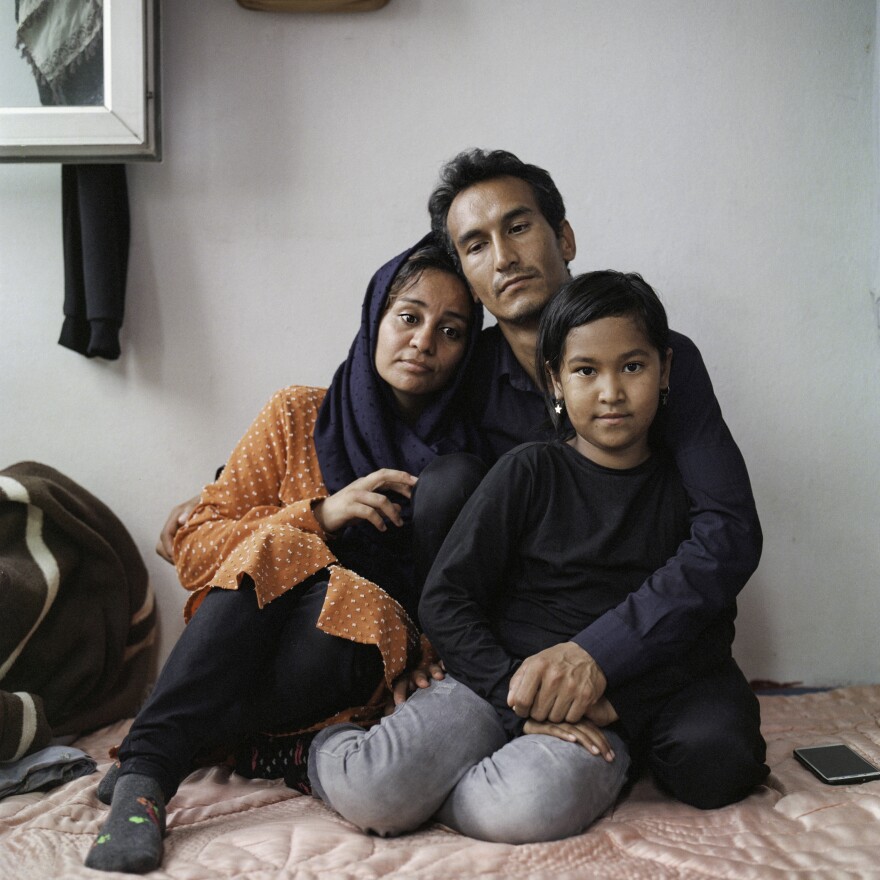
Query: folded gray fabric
point(43, 770)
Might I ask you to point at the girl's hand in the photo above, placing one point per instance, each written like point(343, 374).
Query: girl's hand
point(602, 713)
point(583, 732)
point(363, 499)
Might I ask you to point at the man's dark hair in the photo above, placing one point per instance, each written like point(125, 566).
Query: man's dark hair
point(591, 297)
point(474, 166)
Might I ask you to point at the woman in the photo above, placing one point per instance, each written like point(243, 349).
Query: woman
point(282, 551)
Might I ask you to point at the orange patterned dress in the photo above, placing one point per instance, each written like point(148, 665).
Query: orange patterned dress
point(256, 519)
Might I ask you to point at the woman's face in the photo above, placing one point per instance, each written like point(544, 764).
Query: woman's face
point(423, 337)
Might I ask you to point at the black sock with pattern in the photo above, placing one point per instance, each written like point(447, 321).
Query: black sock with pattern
point(296, 770)
point(273, 757)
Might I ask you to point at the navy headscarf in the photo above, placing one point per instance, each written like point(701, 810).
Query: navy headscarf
point(360, 430)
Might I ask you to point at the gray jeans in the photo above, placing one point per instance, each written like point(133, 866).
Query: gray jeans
point(443, 754)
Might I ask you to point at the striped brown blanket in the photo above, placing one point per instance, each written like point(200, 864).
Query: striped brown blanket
point(77, 619)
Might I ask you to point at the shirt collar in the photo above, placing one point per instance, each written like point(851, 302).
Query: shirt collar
point(509, 366)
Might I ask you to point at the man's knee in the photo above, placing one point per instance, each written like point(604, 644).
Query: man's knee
point(443, 488)
point(711, 767)
point(706, 747)
point(451, 478)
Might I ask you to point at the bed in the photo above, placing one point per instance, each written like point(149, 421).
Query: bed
point(223, 826)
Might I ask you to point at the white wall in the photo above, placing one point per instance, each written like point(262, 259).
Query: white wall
point(727, 150)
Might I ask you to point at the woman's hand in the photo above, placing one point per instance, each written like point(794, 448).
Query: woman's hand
point(417, 678)
point(583, 732)
point(178, 516)
point(429, 666)
point(364, 499)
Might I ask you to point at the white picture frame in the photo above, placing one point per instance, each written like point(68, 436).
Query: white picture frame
point(126, 128)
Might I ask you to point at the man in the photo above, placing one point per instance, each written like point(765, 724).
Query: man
point(660, 661)
point(505, 223)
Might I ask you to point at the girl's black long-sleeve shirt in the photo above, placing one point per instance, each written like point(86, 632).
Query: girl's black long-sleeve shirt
point(546, 549)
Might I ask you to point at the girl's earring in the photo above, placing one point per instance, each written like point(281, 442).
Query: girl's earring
point(558, 404)
point(664, 396)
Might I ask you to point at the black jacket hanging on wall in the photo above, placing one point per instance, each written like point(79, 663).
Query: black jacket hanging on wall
point(94, 205)
point(65, 51)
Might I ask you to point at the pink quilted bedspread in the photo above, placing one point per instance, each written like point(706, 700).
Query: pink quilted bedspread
point(221, 825)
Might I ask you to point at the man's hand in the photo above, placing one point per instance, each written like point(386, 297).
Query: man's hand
point(363, 499)
point(178, 516)
point(557, 684)
point(584, 732)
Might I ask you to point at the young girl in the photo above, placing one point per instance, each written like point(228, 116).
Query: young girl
point(284, 552)
point(557, 536)
point(578, 523)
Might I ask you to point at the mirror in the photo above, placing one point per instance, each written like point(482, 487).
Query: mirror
point(79, 81)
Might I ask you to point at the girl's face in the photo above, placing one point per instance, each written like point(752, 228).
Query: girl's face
point(422, 338)
point(610, 379)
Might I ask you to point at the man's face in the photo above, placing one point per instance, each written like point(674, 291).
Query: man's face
point(512, 258)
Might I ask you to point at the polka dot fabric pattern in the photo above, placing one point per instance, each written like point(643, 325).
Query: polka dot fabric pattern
point(257, 520)
point(355, 609)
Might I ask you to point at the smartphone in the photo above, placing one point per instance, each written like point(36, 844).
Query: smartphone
point(837, 764)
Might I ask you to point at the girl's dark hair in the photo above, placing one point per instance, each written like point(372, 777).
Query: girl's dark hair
point(590, 297)
point(429, 256)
